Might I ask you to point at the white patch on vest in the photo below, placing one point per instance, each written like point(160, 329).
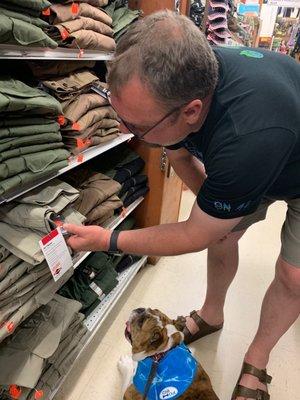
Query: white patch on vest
point(168, 393)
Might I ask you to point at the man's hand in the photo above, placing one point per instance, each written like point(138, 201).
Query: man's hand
point(87, 238)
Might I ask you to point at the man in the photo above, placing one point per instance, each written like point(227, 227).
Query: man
point(238, 111)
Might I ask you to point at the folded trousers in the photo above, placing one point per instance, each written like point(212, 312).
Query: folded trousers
point(62, 13)
point(33, 162)
point(27, 177)
point(16, 97)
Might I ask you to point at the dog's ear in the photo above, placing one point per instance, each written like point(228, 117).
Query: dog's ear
point(179, 323)
point(177, 338)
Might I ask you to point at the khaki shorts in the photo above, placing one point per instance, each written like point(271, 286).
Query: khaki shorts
point(290, 232)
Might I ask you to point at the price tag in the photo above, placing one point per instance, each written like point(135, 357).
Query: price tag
point(56, 253)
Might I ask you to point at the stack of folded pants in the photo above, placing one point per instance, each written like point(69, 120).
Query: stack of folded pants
point(124, 166)
point(88, 118)
point(122, 18)
point(25, 221)
point(30, 291)
point(30, 140)
point(218, 32)
point(82, 24)
point(20, 23)
point(45, 346)
point(98, 197)
point(97, 276)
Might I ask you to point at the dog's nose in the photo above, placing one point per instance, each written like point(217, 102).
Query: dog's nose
point(140, 310)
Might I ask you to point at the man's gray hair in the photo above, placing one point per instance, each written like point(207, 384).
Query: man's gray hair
point(170, 56)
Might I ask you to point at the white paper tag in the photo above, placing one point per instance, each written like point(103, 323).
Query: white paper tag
point(56, 253)
point(96, 289)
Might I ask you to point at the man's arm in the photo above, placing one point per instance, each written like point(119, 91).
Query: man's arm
point(188, 168)
point(195, 234)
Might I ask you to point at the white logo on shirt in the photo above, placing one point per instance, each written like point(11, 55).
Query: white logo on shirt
point(168, 393)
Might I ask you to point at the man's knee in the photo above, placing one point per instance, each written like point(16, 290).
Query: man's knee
point(289, 276)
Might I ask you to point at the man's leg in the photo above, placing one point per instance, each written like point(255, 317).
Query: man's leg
point(280, 309)
point(222, 264)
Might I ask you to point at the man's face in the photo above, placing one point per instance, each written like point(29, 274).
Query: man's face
point(139, 109)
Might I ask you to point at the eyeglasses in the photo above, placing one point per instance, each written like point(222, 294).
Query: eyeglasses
point(105, 93)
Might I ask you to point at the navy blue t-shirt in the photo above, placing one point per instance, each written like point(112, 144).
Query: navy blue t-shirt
point(250, 141)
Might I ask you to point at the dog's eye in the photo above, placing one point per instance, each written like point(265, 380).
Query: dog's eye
point(156, 337)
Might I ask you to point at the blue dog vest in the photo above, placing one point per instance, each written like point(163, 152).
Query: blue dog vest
point(175, 374)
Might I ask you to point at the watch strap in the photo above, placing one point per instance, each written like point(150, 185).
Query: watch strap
point(113, 243)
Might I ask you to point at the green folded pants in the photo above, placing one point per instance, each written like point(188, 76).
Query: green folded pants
point(41, 295)
point(28, 130)
point(34, 162)
point(19, 151)
point(35, 341)
point(18, 32)
point(17, 97)
point(24, 17)
point(27, 177)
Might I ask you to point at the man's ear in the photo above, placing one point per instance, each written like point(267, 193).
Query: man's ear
point(192, 111)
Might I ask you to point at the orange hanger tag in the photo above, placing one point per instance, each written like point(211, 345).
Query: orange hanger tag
point(46, 12)
point(39, 394)
point(61, 120)
point(76, 126)
point(80, 143)
point(10, 326)
point(80, 158)
point(64, 34)
point(15, 391)
point(75, 8)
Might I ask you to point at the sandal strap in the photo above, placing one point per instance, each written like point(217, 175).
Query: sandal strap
point(242, 391)
point(198, 320)
point(261, 374)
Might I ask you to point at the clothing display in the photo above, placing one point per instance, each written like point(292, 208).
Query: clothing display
point(88, 118)
point(97, 275)
point(49, 112)
point(81, 25)
point(49, 339)
point(25, 221)
point(122, 18)
point(124, 167)
point(30, 145)
point(218, 32)
point(43, 70)
point(98, 195)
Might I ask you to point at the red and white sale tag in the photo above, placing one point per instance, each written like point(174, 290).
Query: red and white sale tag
point(56, 253)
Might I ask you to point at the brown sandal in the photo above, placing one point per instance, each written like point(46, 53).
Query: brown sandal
point(203, 328)
point(258, 394)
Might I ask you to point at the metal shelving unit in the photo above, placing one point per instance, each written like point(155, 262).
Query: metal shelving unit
point(95, 320)
point(112, 223)
point(12, 52)
point(74, 162)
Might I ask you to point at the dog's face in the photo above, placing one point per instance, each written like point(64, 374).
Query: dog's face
point(151, 332)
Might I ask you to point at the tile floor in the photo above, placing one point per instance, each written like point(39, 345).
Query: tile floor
point(176, 285)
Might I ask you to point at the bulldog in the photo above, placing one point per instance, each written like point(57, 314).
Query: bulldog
point(161, 367)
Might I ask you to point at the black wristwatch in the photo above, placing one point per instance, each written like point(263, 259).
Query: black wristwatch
point(113, 243)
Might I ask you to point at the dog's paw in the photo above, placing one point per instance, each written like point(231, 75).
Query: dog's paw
point(125, 364)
